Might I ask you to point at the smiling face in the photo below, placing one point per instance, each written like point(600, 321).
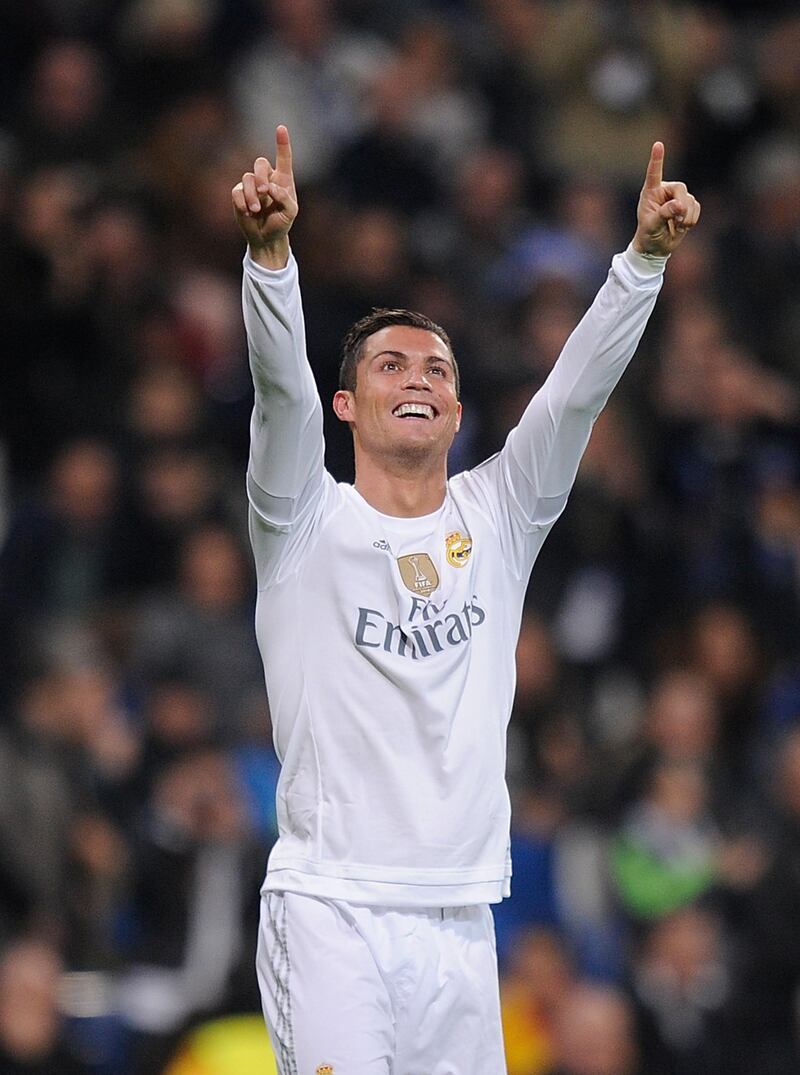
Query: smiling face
point(405, 404)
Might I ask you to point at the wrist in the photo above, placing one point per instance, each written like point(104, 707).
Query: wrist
point(648, 247)
point(644, 266)
point(273, 255)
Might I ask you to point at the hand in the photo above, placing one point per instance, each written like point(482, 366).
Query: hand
point(666, 210)
point(265, 205)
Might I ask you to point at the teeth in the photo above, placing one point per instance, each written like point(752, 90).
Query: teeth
point(418, 410)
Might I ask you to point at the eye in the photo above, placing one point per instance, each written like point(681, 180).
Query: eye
point(440, 371)
point(390, 365)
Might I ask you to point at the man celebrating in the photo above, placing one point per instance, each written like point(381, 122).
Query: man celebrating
point(387, 617)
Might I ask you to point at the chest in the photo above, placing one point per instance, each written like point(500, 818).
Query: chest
point(407, 574)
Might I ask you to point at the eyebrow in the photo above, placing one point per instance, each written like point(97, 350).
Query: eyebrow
point(402, 354)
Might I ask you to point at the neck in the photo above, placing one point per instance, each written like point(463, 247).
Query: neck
point(400, 488)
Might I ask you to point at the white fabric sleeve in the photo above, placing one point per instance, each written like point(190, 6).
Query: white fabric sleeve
point(286, 466)
point(536, 468)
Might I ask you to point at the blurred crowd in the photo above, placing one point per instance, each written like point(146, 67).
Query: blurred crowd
point(478, 160)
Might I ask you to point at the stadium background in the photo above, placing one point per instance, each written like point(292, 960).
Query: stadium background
point(478, 160)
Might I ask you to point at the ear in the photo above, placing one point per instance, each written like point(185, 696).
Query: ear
point(343, 406)
point(459, 410)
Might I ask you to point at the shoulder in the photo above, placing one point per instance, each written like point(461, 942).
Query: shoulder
point(478, 480)
point(477, 490)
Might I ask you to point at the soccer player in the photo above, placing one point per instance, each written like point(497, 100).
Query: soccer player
point(387, 617)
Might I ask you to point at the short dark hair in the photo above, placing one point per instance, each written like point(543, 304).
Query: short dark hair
point(353, 343)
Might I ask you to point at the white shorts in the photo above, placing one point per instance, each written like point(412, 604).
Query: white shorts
point(351, 990)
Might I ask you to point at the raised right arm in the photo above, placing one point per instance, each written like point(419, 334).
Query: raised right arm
point(285, 471)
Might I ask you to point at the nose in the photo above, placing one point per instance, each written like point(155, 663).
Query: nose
point(416, 378)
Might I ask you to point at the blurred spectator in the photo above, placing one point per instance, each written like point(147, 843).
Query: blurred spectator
point(103, 735)
point(168, 51)
point(177, 720)
point(424, 126)
point(677, 721)
point(311, 73)
point(57, 558)
point(726, 652)
point(539, 697)
point(203, 633)
point(604, 584)
point(164, 405)
point(726, 418)
point(449, 117)
point(66, 120)
point(767, 984)
point(480, 231)
point(776, 561)
point(538, 982)
point(187, 159)
point(122, 250)
point(770, 185)
point(682, 985)
point(669, 850)
point(176, 489)
point(95, 892)
point(595, 1034)
point(37, 802)
point(664, 855)
point(552, 295)
point(726, 106)
point(194, 904)
point(604, 80)
point(31, 1041)
point(560, 883)
point(209, 321)
point(538, 815)
point(386, 166)
point(56, 362)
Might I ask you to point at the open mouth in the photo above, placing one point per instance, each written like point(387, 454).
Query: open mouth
point(415, 410)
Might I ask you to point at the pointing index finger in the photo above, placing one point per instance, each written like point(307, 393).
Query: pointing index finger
point(283, 150)
point(655, 167)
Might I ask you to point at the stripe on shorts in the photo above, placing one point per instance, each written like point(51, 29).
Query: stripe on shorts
point(279, 958)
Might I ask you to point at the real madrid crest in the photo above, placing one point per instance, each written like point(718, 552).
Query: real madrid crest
point(458, 547)
point(418, 573)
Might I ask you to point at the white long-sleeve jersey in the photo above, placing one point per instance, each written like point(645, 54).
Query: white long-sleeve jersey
point(389, 643)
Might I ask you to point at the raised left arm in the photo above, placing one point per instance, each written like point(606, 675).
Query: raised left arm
point(542, 454)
